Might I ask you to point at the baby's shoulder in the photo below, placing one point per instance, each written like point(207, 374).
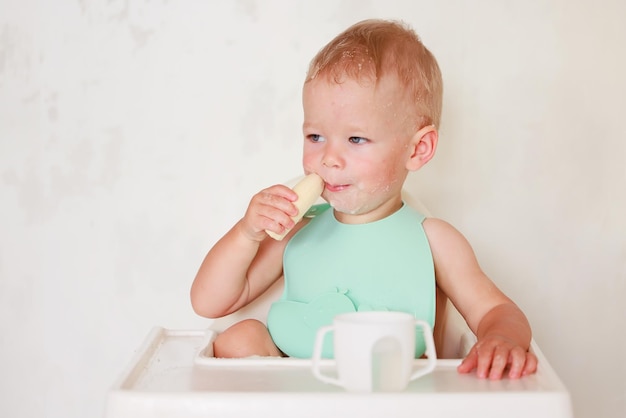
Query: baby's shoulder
point(440, 232)
point(448, 246)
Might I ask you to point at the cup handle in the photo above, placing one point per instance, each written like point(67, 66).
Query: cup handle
point(317, 356)
point(431, 352)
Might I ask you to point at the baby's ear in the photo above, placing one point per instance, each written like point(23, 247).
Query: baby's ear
point(423, 146)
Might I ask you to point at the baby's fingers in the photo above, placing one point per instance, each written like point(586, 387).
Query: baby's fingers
point(270, 209)
point(277, 197)
point(499, 361)
point(531, 364)
point(493, 360)
point(518, 361)
point(479, 358)
point(470, 362)
point(486, 355)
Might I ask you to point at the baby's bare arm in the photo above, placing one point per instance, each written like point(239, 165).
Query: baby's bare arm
point(501, 328)
point(243, 263)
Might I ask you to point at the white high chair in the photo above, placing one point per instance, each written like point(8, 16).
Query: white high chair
point(174, 374)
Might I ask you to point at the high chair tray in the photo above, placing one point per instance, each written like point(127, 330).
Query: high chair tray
point(173, 375)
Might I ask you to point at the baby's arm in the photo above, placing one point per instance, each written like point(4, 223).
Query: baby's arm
point(501, 328)
point(243, 263)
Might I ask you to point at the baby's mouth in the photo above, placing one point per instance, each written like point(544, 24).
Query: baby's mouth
point(336, 187)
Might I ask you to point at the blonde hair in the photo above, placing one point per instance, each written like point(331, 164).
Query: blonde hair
point(371, 49)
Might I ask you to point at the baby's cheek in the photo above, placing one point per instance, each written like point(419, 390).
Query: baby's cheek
point(382, 185)
point(309, 159)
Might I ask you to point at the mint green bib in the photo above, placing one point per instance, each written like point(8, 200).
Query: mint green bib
point(332, 268)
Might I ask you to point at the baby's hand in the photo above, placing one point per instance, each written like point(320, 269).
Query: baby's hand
point(491, 356)
point(271, 209)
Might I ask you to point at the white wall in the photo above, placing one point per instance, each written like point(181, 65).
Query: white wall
point(132, 134)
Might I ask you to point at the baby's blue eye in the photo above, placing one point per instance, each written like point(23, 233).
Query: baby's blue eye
point(315, 138)
point(357, 140)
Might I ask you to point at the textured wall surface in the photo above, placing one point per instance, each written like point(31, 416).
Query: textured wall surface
point(133, 133)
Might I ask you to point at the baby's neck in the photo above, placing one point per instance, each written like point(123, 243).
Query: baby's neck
point(377, 213)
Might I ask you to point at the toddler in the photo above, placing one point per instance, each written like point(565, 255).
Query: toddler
point(372, 106)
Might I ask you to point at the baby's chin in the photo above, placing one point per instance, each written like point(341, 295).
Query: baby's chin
point(348, 208)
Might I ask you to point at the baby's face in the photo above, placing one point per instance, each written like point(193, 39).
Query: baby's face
point(356, 137)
